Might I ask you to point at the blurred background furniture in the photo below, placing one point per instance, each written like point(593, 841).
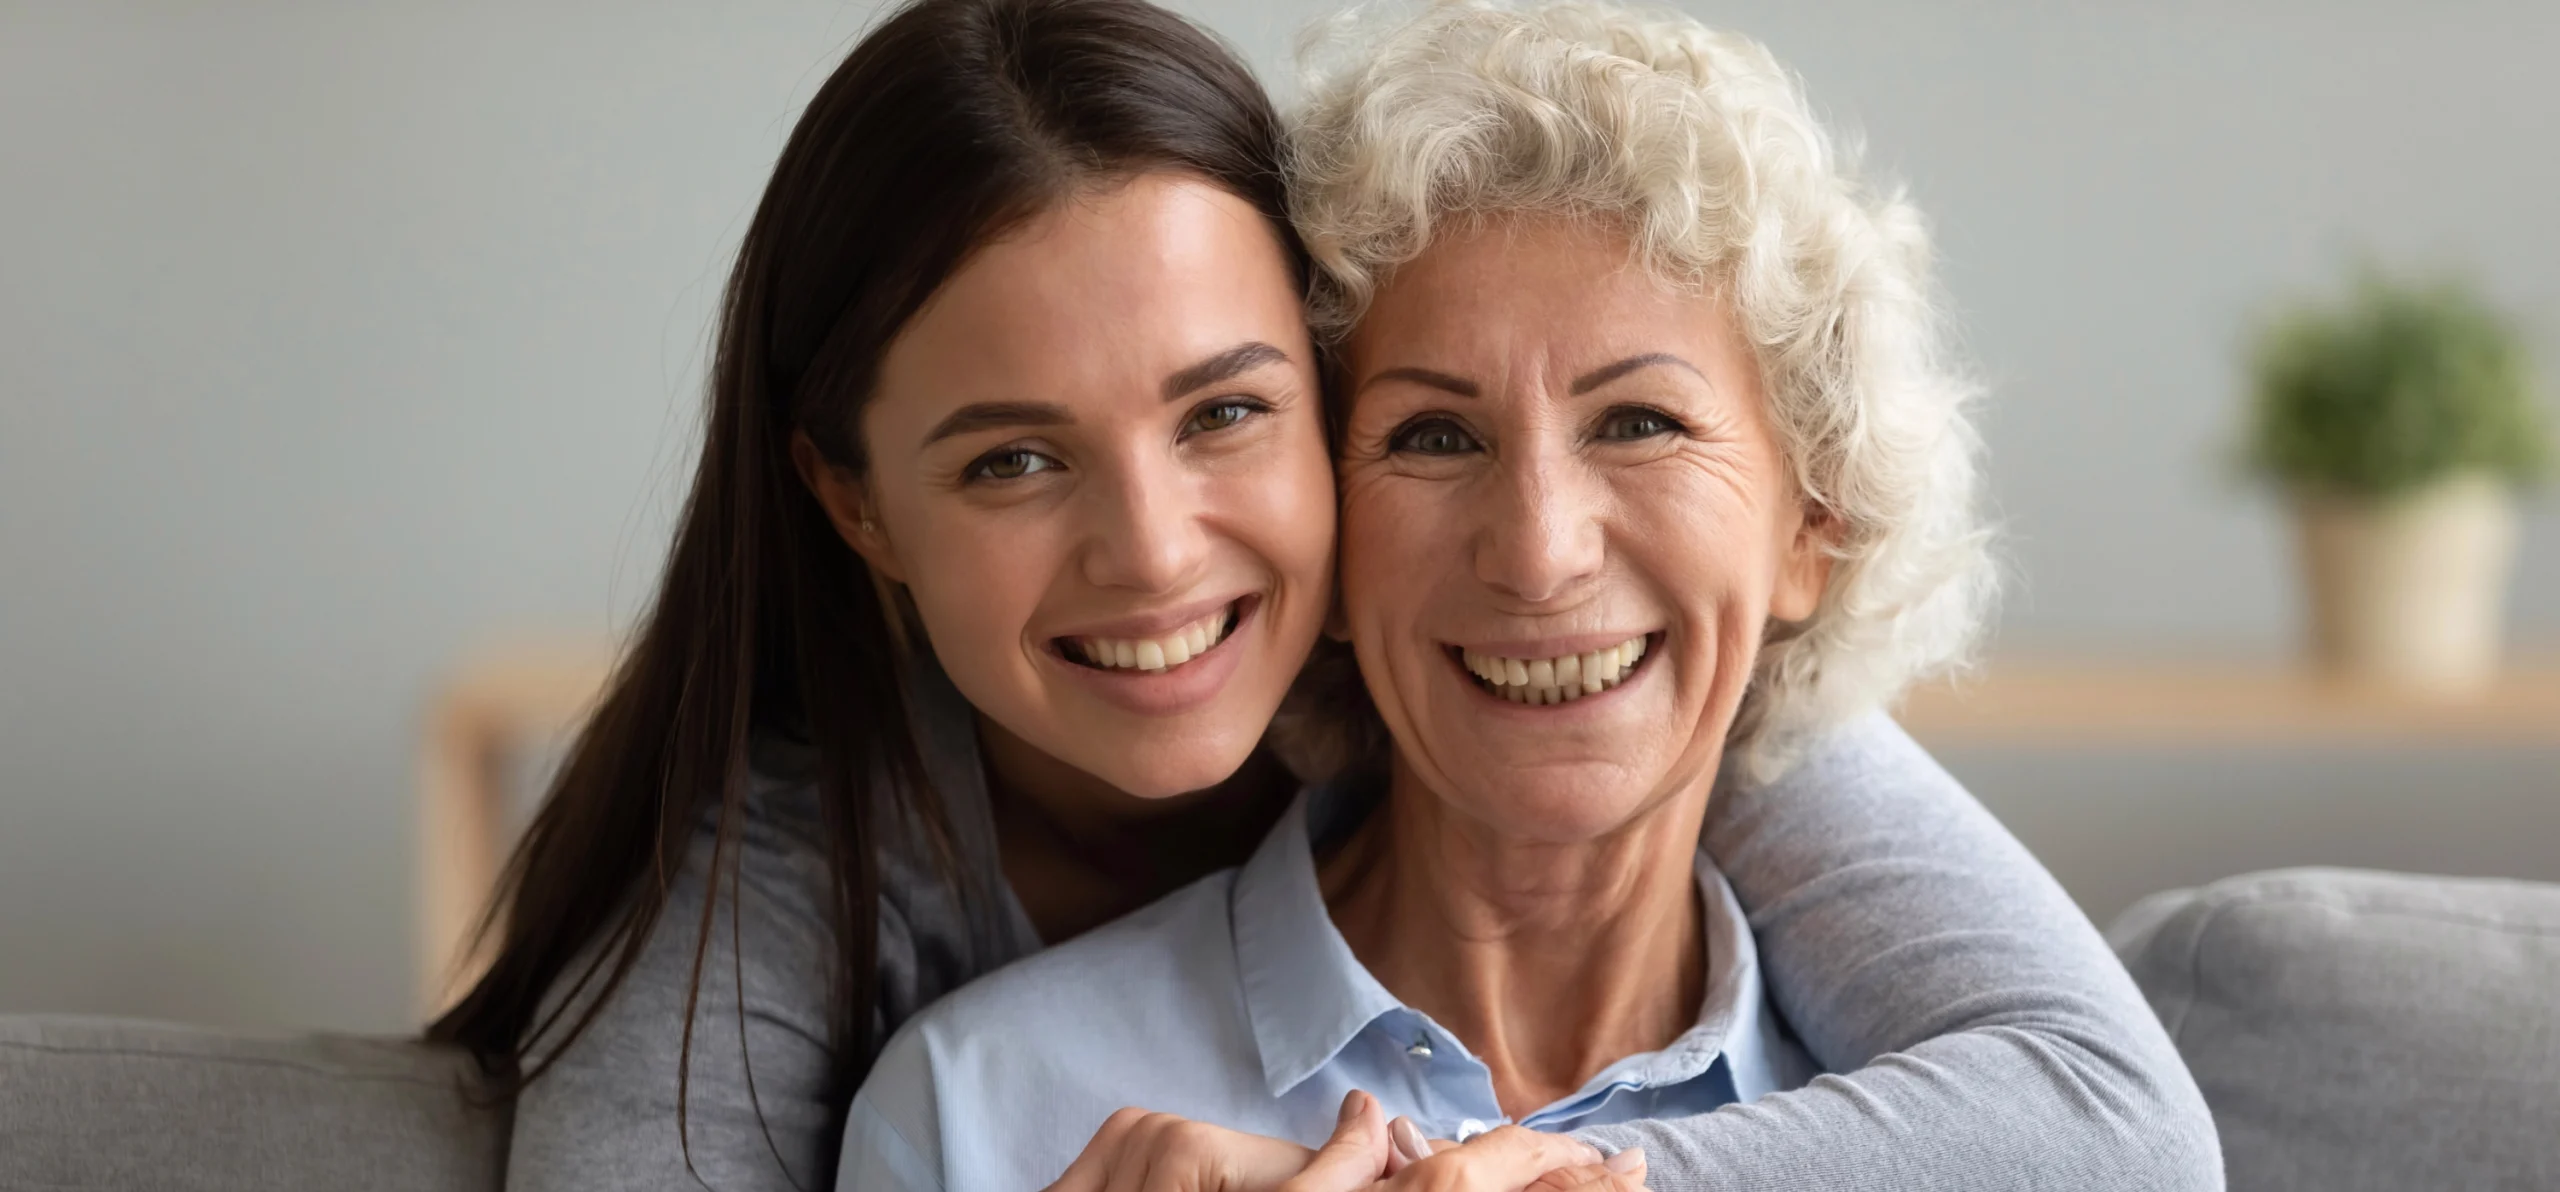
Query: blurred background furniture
point(2351, 1030)
point(2354, 1029)
point(505, 712)
point(2092, 703)
point(103, 1103)
point(496, 720)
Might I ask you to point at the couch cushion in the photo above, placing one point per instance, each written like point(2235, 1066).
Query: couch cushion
point(92, 1103)
point(2364, 1030)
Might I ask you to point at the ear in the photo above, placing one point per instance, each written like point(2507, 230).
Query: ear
point(848, 505)
point(1804, 566)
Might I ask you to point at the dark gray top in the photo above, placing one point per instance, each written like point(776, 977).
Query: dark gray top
point(1986, 1037)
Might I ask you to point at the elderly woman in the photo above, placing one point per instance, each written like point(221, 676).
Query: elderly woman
point(1650, 466)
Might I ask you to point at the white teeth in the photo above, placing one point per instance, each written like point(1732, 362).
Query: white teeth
point(1542, 681)
point(1156, 653)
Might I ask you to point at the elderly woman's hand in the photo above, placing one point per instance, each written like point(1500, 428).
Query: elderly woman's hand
point(1139, 1151)
point(1497, 1160)
point(1596, 1177)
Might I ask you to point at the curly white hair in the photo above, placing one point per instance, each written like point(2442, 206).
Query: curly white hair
point(1701, 146)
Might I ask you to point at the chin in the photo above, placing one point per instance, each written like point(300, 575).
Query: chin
point(1171, 770)
point(1557, 808)
point(1170, 784)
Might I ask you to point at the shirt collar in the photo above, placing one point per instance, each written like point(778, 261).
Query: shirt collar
point(1730, 1019)
point(1308, 997)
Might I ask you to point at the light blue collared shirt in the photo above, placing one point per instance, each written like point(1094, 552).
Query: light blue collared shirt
point(1235, 1001)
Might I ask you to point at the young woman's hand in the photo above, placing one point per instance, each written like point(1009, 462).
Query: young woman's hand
point(1139, 1151)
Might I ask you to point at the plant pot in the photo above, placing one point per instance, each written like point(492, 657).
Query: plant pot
point(2410, 590)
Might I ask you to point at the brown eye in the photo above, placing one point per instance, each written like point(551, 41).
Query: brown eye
point(1011, 463)
point(1433, 436)
point(1221, 415)
point(1629, 425)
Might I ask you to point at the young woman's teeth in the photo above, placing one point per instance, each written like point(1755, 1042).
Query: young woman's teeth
point(1555, 680)
point(1155, 653)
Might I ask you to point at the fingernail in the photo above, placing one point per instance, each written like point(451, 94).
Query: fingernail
point(1350, 1107)
point(1625, 1161)
point(1408, 1140)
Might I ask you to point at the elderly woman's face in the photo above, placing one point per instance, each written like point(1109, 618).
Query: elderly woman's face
point(1566, 520)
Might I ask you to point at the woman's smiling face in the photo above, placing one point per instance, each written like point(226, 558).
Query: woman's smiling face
point(1097, 461)
point(1566, 521)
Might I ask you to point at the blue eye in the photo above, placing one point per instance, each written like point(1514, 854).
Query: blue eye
point(1433, 436)
point(1012, 463)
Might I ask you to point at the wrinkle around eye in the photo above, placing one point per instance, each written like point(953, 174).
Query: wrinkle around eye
point(1354, 477)
point(1723, 462)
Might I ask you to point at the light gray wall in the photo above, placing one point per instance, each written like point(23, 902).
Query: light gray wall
point(335, 338)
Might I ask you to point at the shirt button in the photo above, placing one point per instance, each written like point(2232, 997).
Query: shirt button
point(1469, 1129)
point(1421, 1048)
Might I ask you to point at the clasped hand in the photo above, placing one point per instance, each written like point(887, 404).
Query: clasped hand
point(1139, 1151)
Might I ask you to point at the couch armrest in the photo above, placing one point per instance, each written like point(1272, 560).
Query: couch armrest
point(88, 1102)
point(2354, 1029)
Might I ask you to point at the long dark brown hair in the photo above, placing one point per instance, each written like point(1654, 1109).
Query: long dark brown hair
point(952, 122)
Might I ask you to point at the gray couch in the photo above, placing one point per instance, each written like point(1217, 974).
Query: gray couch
point(2351, 1030)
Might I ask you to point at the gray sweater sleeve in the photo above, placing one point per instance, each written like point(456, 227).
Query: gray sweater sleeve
point(1983, 1035)
point(605, 1115)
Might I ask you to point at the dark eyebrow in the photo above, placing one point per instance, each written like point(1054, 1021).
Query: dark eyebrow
point(992, 415)
point(1423, 376)
point(1233, 362)
point(1610, 372)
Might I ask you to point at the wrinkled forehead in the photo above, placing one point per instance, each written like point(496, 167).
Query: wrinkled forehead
point(1524, 296)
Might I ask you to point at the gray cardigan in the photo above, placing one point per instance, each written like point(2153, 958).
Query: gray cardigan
point(1985, 1036)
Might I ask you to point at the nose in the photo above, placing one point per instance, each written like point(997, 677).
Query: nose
point(1542, 540)
point(1145, 531)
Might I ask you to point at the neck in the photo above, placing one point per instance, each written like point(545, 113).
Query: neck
point(1552, 961)
point(1080, 852)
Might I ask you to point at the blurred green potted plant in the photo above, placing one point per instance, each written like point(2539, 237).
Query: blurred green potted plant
point(2401, 422)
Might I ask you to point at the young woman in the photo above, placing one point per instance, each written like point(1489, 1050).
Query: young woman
point(1012, 528)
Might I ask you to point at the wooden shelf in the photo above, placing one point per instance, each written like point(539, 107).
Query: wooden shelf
point(2084, 703)
point(493, 710)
